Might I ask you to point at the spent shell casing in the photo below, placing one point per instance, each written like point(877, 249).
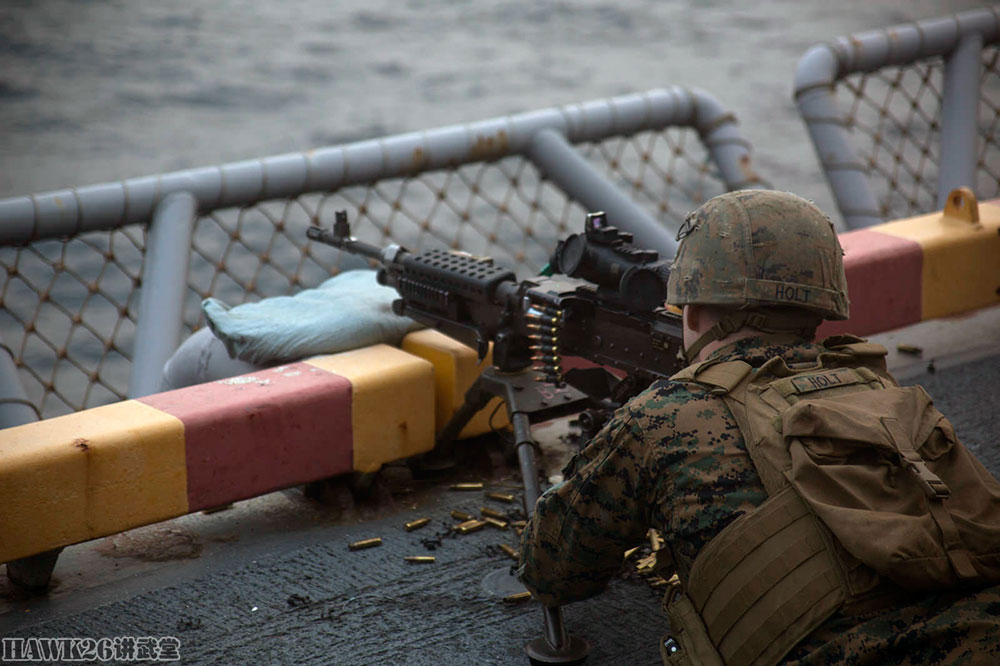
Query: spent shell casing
point(510, 551)
point(492, 513)
point(470, 526)
point(655, 540)
point(516, 598)
point(467, 486)
point(519, 523)
point(460, 515)
point(365, 543)
point(420, 559)
point(416, 524)
point(494, 522)
point(501, 497)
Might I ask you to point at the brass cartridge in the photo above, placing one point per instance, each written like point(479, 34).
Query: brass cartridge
point(501, 497)
point(493, 522)
point(492, 513)
point(416, 524)
point(516, 598)
point(470, 526)
point(460, 515)
point(420, 559)
point(467, 486)
point(510, 551)
point(365, 543)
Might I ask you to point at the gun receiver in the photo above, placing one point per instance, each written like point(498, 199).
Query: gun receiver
point(607, 310)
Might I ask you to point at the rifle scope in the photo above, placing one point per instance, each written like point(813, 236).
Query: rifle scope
point(605, 256)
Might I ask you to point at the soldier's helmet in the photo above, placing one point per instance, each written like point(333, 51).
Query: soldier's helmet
point(759, 248)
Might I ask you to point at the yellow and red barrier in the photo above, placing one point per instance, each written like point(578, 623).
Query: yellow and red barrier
point(920, 268)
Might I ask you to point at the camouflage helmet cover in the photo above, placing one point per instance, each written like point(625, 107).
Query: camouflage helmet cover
point(753, 248)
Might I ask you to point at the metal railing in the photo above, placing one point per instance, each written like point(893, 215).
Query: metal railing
point(100, 283)
point(899, 117)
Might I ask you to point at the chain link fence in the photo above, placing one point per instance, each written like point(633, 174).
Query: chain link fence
point(876, 104)
point(70, 304)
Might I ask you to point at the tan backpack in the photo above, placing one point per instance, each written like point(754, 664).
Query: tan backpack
point(867, 484)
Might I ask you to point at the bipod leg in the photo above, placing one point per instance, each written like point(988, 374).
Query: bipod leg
point(441, 457)
point(555, 646)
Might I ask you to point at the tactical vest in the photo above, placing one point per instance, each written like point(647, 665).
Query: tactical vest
point(870, 496)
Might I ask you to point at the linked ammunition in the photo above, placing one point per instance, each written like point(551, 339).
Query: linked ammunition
point(516, 598)
point(467, 486)
point(537, 358)
point(501, 497)
point(493, 522)
point(460, 515)
point(470, 526)
point(365, 543)
point(420, 559)
point(510, 551)
point(544, 319)
point(416, 524)
point(492, 513)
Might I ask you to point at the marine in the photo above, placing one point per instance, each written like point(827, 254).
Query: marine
point(814, 511)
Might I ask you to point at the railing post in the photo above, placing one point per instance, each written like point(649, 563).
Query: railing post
point(34, 572)
point(15, 407)
point(164, 280)
point(561, 162)
point(848, 176)
point(960, 117)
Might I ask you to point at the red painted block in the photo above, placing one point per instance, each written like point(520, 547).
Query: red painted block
point(884, 283)
point(252, 434)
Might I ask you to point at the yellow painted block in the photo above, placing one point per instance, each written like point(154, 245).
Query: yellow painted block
point(455, 369)
point(392, 403)
point(87, 475)
point(961, 264)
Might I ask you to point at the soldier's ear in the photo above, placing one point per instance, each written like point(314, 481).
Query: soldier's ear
point(692, 316)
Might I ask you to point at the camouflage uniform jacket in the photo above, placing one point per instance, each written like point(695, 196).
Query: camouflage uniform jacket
point(673, 459)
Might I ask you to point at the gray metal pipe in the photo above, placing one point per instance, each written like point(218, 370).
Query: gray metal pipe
point(109, 205)
point(561, 162)
point(960, 118)
point(844, 170)
point(164, 282)
point(15, 407)
point(822, 66)
point(729, 149)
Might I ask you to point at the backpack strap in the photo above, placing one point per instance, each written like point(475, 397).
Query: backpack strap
point(722, 376)
point(937, 492)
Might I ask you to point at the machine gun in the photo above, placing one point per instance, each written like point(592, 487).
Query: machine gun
point(603, 302)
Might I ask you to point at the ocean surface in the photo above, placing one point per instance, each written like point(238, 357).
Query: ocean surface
point(102, 90)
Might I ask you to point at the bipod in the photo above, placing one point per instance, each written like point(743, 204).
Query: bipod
point(528, 401)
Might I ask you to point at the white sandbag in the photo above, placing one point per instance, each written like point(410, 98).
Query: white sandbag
point(347, 311)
